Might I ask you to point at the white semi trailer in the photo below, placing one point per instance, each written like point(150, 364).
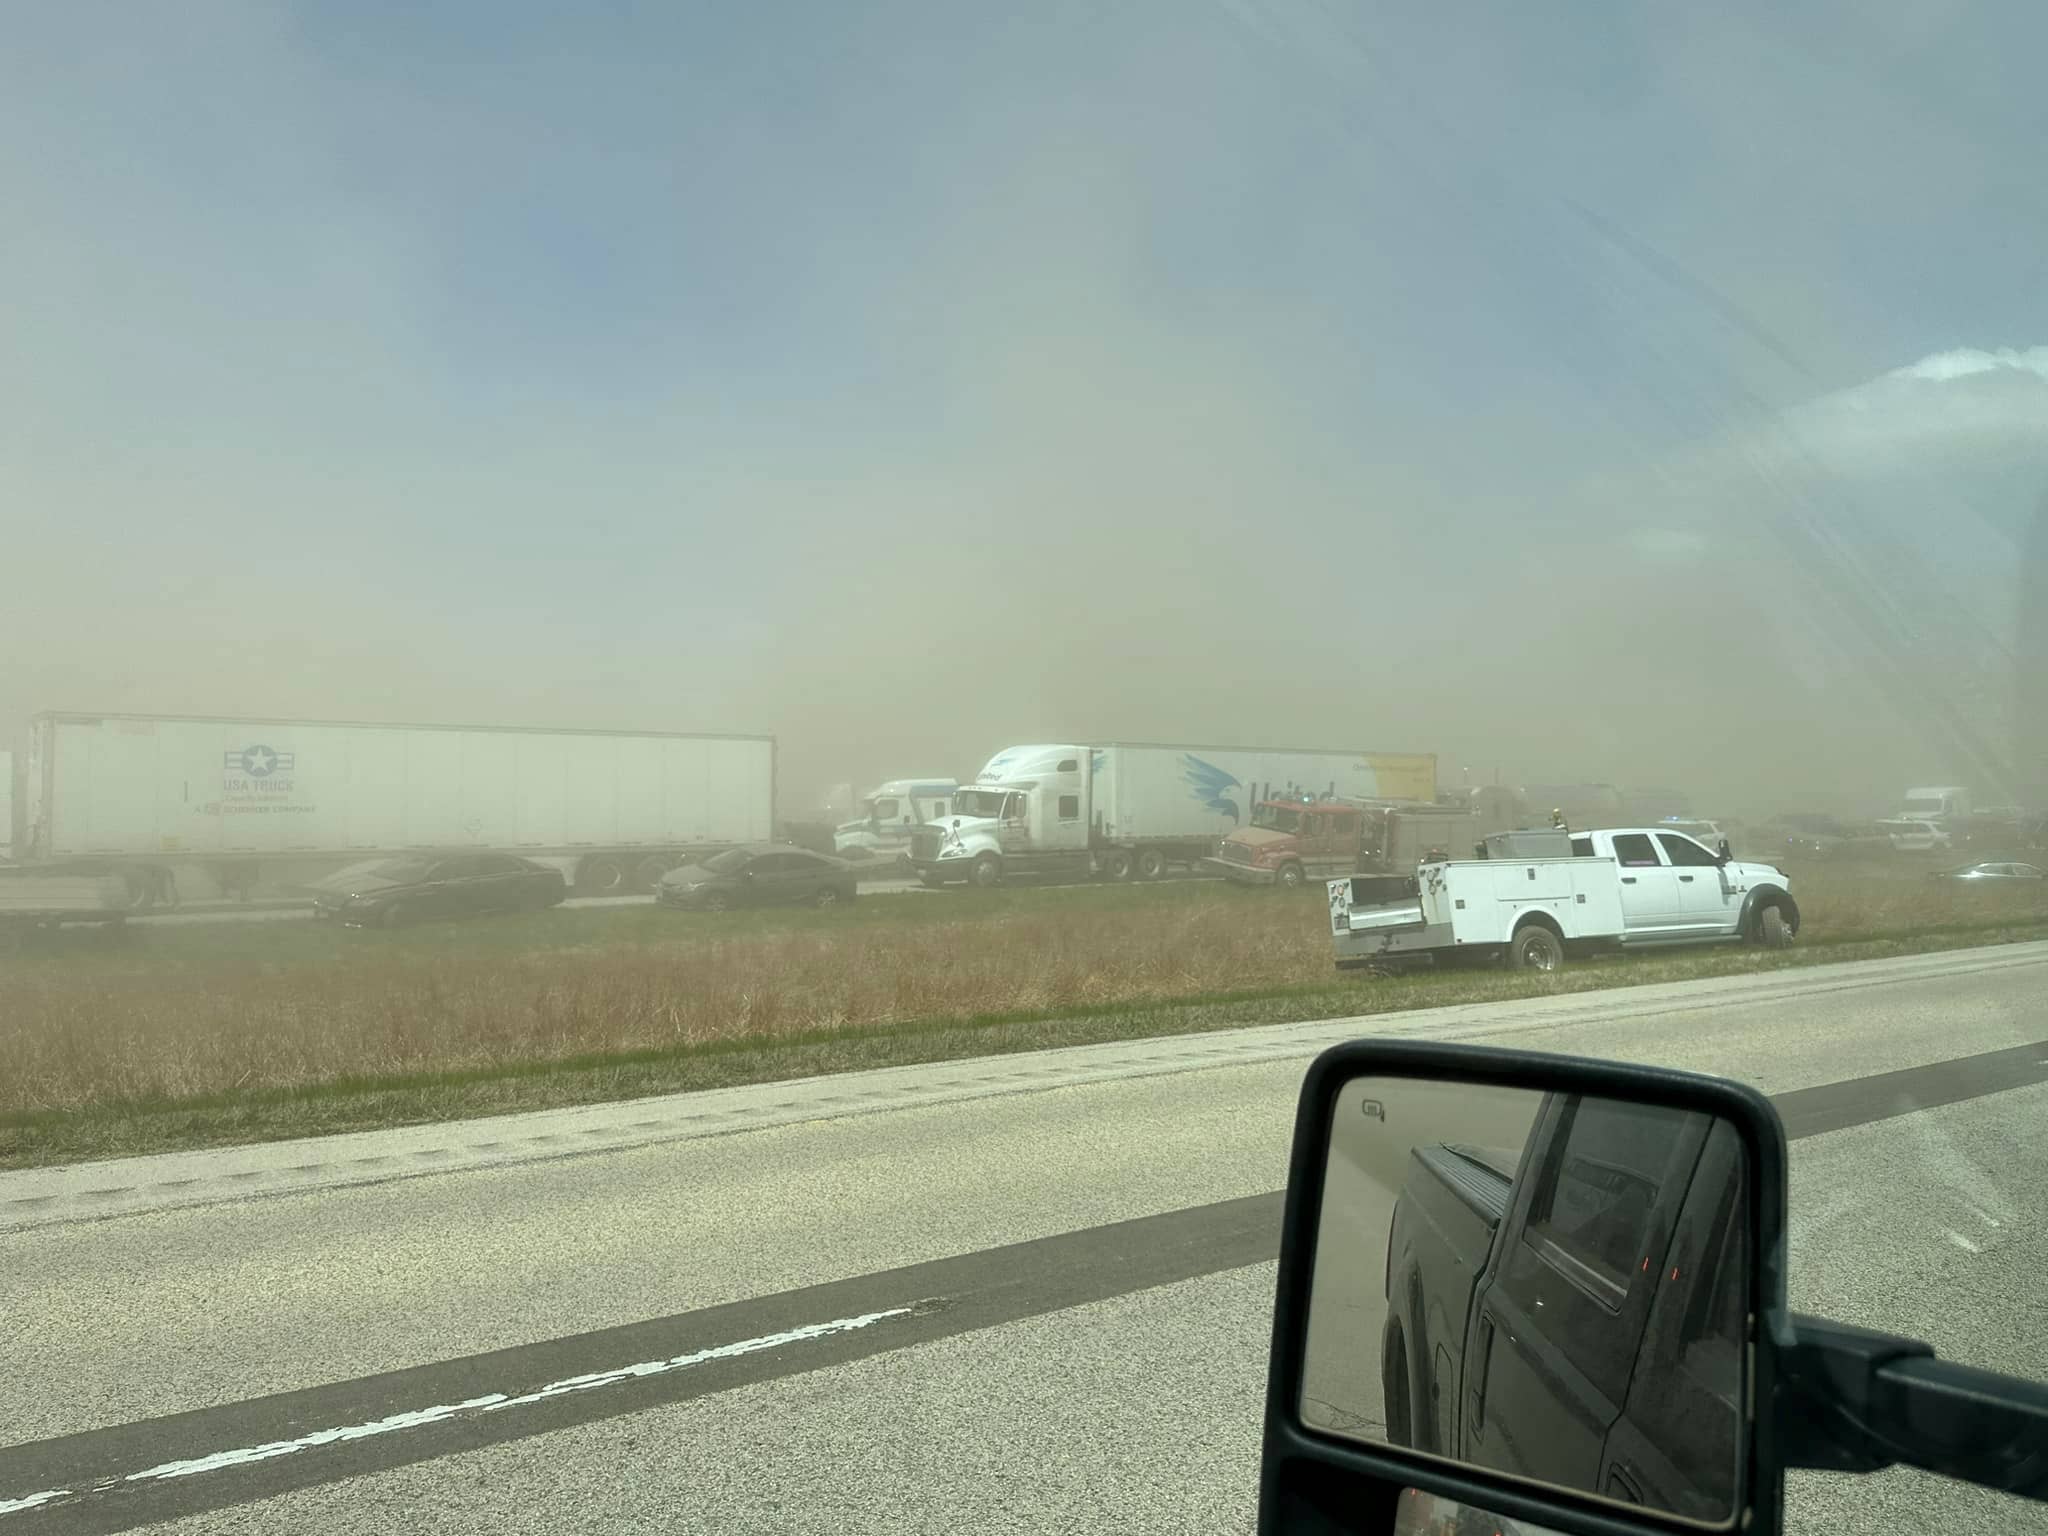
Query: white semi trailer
point(1123, 810)
point(208, 805)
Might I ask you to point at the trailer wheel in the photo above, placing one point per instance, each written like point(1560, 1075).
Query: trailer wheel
point(140, 885)
point(647, 874)
point(1151, 863)
point(1292, 876)
point(1116, 864)
point(600, 874)
point(988, 871)
point(1536, 947)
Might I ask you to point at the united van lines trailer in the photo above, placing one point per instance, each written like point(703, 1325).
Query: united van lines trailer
point(1121, 809)
point(230, 802)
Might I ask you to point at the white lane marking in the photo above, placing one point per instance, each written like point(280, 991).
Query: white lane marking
point(1961, 1241)
point(489, 1402)
point(31, 1500)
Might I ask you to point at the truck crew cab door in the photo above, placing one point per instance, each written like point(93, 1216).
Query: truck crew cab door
point(1677, 1443)
point(1706, 899)
point(1338, 852)
point(1649, 886)
point(1556, 1326)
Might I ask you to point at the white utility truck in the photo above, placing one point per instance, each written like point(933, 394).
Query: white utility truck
point(199, 805)
point(1540, 896)
point(894, 811)
point(1123, 810)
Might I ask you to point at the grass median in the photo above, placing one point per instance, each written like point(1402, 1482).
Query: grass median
point(163, 1038)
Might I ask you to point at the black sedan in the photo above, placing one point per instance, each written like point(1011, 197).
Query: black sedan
point(759, 875)
point(413, 888)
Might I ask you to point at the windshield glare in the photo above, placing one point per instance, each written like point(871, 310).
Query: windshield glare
point(980, 803)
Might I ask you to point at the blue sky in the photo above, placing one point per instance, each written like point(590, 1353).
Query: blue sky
point(766, 367)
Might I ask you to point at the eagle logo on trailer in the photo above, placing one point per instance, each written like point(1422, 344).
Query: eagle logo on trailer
point(259, 761)
point(1209, 783)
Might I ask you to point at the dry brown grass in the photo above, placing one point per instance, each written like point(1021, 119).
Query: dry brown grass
point(175, 1014)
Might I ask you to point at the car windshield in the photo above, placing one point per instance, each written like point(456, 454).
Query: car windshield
point(1277, 818)
point(669, 443)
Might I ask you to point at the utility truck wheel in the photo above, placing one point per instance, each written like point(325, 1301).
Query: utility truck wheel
point(1536, 948)
point(1772, 931)
point(1292, 877)
point(988, 871)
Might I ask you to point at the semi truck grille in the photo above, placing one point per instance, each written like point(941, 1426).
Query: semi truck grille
point(924, 843)
point(1234, 853)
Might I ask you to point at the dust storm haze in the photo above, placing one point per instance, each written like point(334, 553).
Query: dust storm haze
point(1657, 403)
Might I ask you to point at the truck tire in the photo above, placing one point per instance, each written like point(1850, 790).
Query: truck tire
point(140, 885)
point(1292, 876)
point(1151, 863)
point(1772, 931)
point(1400, 1402)
point(987, 872)
point(1116, 864)
point(1536, 947)
point(600, 874)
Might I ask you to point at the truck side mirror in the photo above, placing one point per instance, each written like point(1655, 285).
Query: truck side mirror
point(1722, 851)
point(1467, 1232)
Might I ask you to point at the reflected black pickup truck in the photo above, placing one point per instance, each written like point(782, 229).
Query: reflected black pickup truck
point(1573, 1312)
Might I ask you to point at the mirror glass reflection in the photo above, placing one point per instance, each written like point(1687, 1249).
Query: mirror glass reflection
point(1549, 1286)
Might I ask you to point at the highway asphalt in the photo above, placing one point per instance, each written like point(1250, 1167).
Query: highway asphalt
point(1027, 1294)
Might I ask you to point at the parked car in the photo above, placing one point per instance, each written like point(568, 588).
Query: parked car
point(416, 887)
point(1994, 871)
point(759, 875)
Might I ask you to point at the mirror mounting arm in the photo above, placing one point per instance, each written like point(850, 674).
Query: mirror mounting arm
point(1852, 1400)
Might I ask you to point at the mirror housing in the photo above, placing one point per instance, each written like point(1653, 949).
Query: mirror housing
point(1313, 1480)
point(1819, 1394)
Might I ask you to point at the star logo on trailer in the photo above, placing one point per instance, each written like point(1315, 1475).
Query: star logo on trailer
point(259, 761)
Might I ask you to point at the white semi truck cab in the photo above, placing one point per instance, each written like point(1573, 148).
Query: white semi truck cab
point(894, 811)
point(1027, 811)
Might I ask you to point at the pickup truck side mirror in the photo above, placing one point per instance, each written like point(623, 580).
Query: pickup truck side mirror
point(1553, 1290)
point(1722, 851)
